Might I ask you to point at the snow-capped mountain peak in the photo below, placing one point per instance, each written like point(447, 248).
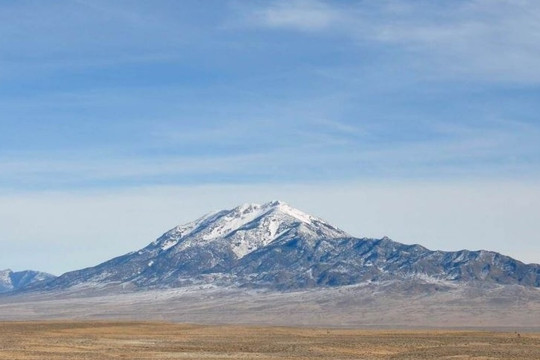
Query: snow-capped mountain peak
point(245, 228)
point(288, 210)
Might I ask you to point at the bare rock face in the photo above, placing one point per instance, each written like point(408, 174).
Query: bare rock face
point(278, 247)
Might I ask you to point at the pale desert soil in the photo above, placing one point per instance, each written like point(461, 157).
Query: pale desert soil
point(152, 340)
point(363, 306)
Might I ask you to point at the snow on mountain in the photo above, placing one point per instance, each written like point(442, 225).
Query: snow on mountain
point(246, 228)
point(276, 246)
point(12, 281)
point(5, 279)
point(212, 244)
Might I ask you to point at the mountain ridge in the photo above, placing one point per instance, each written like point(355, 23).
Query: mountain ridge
point(276, 246)
point(14, 280)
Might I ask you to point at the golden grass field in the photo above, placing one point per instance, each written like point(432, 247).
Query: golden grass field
point(151, 340)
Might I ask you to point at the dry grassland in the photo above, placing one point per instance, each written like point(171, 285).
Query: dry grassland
point(145, 340)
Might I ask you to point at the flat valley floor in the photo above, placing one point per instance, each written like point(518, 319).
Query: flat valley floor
point(152, 340)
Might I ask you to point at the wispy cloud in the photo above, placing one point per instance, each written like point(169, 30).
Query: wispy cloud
point(339, 92)
point(313, 150)
point(482, 39)
point(305, 15)
point(496, 41)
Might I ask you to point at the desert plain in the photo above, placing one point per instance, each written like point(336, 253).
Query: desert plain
point(215, 323)
point(160, 340)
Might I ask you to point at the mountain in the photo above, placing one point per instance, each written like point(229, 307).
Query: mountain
point(348, 261)
point(209, 247)
point(12, 281)
point(278, 247)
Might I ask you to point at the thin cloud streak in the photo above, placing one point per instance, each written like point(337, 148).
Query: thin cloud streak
point(478, 153)
point(486, 40)
point(307, 15)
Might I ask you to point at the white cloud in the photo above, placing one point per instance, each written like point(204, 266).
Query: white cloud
point(305, 15)
point(493, 40)
point(292, 151)
point(479, 39)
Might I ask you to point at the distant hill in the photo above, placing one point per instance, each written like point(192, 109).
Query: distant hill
point(12, 281)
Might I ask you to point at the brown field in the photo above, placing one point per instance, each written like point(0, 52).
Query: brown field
point(151, 340)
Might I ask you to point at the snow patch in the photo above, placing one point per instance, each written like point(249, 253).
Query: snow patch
point(168, 244)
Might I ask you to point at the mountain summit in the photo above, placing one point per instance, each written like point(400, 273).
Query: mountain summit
point(246, 228)
point(207, 247)
point(277, 246)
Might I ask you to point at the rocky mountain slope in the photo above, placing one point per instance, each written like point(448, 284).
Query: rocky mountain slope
point(278, 247)
point(12, 281)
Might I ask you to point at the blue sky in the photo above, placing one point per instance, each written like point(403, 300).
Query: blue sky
point(115, 96)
